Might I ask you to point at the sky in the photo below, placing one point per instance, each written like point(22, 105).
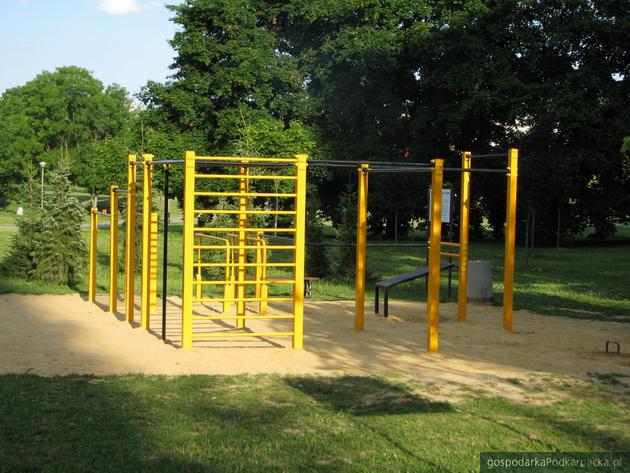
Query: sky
point(119, 41)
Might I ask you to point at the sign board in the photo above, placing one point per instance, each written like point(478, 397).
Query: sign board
point(446, 205)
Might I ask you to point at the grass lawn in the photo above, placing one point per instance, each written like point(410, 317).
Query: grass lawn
point(270, 423)
point(584, 282)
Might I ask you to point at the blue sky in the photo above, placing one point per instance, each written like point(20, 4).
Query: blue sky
point(121, 41)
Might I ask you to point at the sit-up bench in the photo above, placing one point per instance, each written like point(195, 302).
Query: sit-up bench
point(421, 272)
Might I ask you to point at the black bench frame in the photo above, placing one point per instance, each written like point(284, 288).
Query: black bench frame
point(421, 272)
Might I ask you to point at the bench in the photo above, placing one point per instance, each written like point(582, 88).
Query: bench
point(421, 272)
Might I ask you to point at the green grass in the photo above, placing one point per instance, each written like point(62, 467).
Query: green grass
point(270, 423)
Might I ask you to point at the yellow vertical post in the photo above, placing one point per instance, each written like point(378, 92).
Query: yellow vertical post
point(264, 287)
point(198, 271)
point(241, 306)
point(228, 290)
point(299, 260)
point(153, 258)
point(361, 256)
point(433, 303)
point(188, 250)
point(464, 216)
point(130, 239)
point(510, 239)
point(259, 276)
point(145, 298)
point(113, 248)
point(92, 254)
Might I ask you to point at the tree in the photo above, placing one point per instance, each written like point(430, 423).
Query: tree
point(54, 117)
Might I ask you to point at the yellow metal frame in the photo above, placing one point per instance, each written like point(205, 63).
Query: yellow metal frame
point(464, 222)
point(236, 266)
point(435, 242)
point(130, 239)
point(147, 210)
point(93, 250)
point(361, 254)
point(510, 239)
point(113, 249)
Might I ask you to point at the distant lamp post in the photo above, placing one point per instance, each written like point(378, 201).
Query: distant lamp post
point(42, 164)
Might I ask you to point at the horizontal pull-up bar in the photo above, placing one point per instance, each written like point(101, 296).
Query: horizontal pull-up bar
point(333, 163)
point(400, 170)
point(489, 155)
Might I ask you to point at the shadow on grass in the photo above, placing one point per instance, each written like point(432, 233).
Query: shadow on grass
point(362, 396)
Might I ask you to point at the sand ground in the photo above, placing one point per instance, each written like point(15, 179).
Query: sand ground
point(59, 335)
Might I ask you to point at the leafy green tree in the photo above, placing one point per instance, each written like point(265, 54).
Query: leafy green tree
point(54, 117)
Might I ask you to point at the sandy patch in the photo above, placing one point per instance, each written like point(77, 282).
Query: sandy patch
point(57, 335)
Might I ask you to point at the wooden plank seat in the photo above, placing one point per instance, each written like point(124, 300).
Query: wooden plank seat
point(421, 272)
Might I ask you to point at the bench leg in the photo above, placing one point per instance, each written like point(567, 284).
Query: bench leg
point(385, 302)
point(308, 289)
point(376, 300)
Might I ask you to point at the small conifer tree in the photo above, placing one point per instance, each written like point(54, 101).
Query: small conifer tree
point(60, 252)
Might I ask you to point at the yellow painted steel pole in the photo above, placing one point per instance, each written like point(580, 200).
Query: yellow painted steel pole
point(153, 258)
point(188, 250)
point(198, 292)
point(130, 239)
point(259, 275)
point(145, 299)
point(113, 248)
point(433, 303)
point(300, 245)
point(228, 290)
point(464, 221)
point(241, 306)
point(361, 256)
point(510, 240)
point(92, 254)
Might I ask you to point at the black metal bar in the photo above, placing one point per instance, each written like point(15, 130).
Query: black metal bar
point(331, 162)
point(400, 170)
point(165, 252)
point(488, 155)
point(168, 161)
point(478, 170)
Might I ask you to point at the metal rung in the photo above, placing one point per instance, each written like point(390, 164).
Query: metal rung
point(246, 159)
point(241, 317)
point(250, 176)
point(248, 212)
point(245, 299)
point(246, 247)
point(228, 230)
point(241, 334)
point(450, 255)
point(243, 283)
point(449, 243)
point(244, 265)
point(243, 194)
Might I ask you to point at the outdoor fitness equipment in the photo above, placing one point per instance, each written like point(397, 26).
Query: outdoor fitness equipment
point(236, 264)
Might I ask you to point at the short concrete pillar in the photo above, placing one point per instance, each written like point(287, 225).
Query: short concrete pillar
point(480, 281)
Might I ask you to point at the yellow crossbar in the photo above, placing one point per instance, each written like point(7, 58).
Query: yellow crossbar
point(247, 265)
point(450, 255)
point(251, 230)
point(243, 194)
point(241, 334)
point(247, 282)
point(246, 159)
point(245, 299)
point(241, 317)
point(251, 176)
point(247, 212)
